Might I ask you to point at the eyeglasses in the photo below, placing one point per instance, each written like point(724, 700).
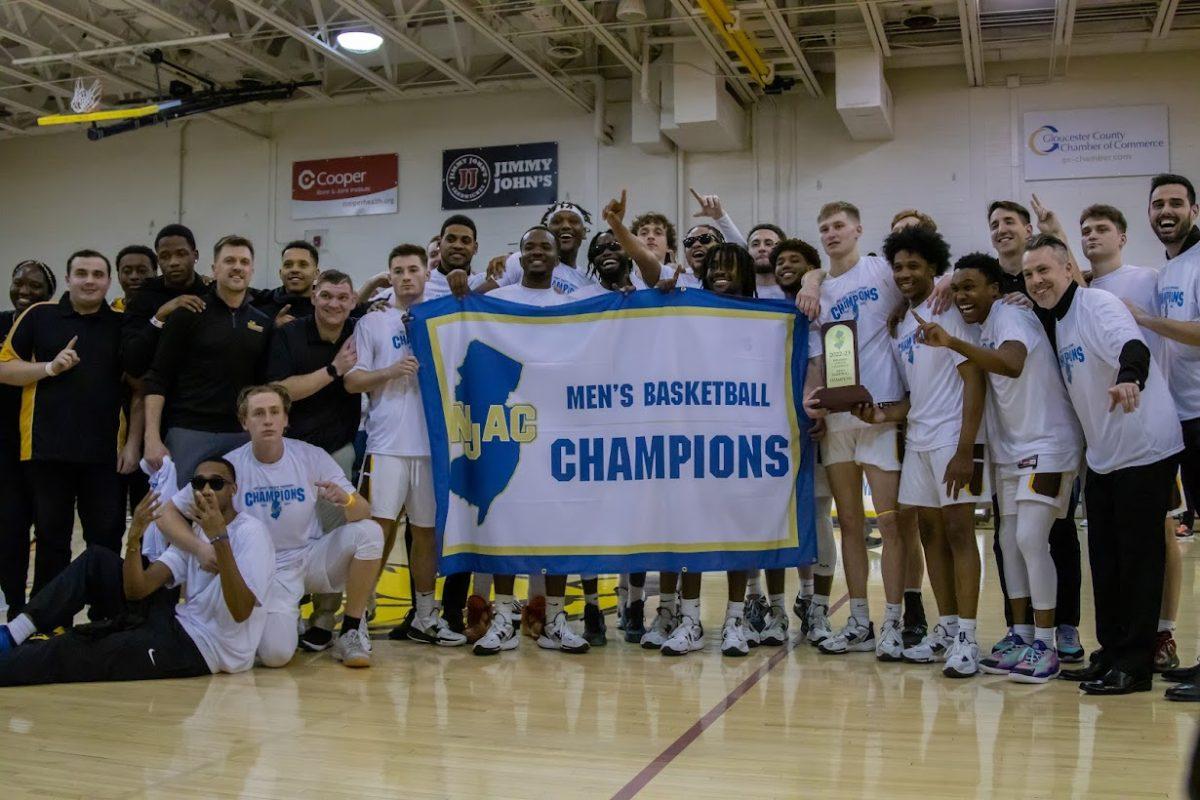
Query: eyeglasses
point(704, 238)
point(609, 247)
point(215, 481)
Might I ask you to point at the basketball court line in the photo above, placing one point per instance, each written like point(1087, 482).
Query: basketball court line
point(675, 748)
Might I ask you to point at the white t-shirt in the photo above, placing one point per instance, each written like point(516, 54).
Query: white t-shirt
point(865, 293)
point(282, 496)
point(1090, 338)
point(162, 483)
point(771, 291)
point(686, 280)
point(553, 296)
point(1179, 299)
point(565, 278)
point(227, 645)
point(930, 374)
point(1030, 422)
point(395, 416)
point(1137, 285)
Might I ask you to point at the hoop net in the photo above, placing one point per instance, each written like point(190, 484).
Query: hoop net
point(86, 98)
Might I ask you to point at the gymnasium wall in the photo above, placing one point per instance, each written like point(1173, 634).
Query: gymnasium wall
point(955, 148)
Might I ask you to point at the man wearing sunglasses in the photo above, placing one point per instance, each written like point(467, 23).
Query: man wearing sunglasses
point(281, 480)
point(144, 634)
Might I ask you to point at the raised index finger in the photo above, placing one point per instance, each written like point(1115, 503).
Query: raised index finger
point(699, 199)
point(71, 344)
point(919, 320)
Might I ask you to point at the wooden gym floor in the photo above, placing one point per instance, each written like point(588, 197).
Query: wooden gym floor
point(617, 722)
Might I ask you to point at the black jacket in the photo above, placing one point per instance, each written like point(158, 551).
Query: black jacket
point(203, 360)
point(139, 338)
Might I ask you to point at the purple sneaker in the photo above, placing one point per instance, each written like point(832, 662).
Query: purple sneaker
point(1005, 655)
point(1040, 664)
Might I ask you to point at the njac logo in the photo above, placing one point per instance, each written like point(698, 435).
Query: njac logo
point(1045, 133)
point(307, 179)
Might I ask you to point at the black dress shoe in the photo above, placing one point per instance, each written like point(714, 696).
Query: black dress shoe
point(1092, 672)
point(1116, 681)
point(1183, 674)
point(1184, 693)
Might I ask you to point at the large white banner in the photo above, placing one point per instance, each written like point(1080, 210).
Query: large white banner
point(618, 433)
point(1096, 143)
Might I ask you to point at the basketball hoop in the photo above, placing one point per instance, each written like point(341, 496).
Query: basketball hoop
point(86, 98)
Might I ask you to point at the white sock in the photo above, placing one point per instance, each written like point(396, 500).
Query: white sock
point(1025, 632)
point(505, 603)
point(690, 608)
point(1163, 625)
point(637, 593)
point(667, 601)
point(967, 627)
point(754, 584)
point(1045, 636)
point(21, 628)
point(807, 586)
point(537, 585)
point(481, 584)
point(821, 600)
point(735, 610)
point(859, 610)
point(776, 601)
point(424, 605)
point(553, 606)
point(592, 599)
point(892, 612)
point(950, 623)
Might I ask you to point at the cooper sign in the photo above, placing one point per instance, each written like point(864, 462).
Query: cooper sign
point(345, 187)
point(507, 175)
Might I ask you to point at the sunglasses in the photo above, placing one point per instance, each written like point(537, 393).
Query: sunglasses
point(608, 247)
point(704, 238)
point(215, 481)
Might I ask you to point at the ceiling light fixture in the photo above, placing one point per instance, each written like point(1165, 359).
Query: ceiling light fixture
point(359, 41)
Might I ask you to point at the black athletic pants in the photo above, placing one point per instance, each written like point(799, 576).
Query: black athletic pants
point(1064, 552)
point(16, 520)
point(58, 488)
point(1125, 511)
point(121, 649)
point(132, 488)
point(1189, 465)
point(454, 588)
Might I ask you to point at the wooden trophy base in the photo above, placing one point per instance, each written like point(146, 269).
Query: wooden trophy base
point(842, 398)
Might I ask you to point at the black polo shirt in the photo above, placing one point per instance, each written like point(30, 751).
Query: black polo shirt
point(203, 360)
point(272, 301)
point(139, 338)
point(329, 418)
point(73, 416)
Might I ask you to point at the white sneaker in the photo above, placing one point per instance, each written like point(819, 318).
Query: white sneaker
point(660, 630)
point(890, 644)
point(819, 628)
point(853, 638)
point(353, 648)
point(434, 630)
point(774, 633)
point(687, 636)
point(963, 659)
point(753, 637)
point(557, 635)
point(933, 647)
point(733, 638)
point(501, 635)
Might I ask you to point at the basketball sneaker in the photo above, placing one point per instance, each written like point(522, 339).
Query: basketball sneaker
point(800, 609)
point(315, 639)
point(733, 638)
point(660, 630)
point(1070, 651)
point(557, 635)
point(435, 630)
point(1165, 654)
point(400, 632)
point(353, 648)
point(933, 647)
point(853, 638)
point(757, 610)
point(1005, 656)
point(963, 659)
point(501, 635)
point(1039, 664)
point(635, 621)
point(687, 636)
point(775, 632)
point(915, 626)
point(890, 644)
point(594, 629)
point(819, 628)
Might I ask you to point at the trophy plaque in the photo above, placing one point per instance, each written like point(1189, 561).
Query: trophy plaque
point(842, 390)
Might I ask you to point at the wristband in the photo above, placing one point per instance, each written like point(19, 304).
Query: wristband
point(349, 502)
point(224, 537)
point(50, 368)
point(156, 322)
point(332, 370)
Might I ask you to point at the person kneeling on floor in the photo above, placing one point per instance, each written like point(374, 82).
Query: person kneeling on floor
point(217, 629)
